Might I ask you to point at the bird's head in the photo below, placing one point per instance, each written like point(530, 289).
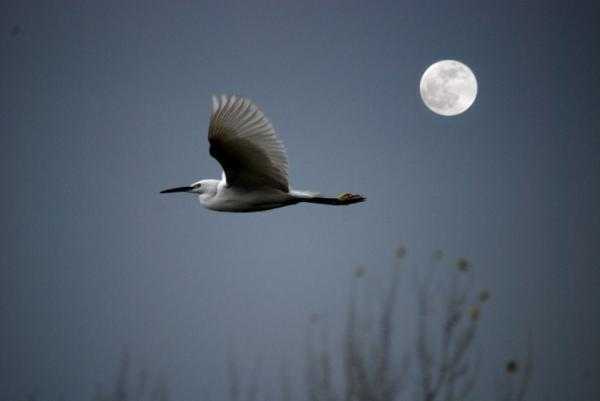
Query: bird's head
point(197, 188)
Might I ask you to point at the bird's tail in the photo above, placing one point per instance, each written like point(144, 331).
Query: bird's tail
point(343, 199)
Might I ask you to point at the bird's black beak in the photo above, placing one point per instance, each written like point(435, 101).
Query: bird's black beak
point(178, 189)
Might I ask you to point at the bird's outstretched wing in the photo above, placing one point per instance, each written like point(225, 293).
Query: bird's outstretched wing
point(244, 142)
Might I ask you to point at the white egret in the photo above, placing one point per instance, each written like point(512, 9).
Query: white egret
point(255, 166)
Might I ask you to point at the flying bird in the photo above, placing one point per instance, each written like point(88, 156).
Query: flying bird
point(254, 161)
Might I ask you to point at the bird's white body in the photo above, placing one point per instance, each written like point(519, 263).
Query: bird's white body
point(223, 198)
point(254, 161)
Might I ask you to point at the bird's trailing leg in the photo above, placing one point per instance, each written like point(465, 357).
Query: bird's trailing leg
point(343, 199)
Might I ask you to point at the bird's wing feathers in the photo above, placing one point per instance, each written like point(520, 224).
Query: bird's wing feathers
point(244, 142)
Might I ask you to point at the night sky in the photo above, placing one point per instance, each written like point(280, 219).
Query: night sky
point(105, 103)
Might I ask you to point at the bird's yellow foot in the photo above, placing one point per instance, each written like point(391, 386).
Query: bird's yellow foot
point(349, 198)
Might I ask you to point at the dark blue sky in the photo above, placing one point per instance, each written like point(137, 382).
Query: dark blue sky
point(106, 103)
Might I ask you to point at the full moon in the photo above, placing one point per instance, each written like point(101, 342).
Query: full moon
point(448, 87)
